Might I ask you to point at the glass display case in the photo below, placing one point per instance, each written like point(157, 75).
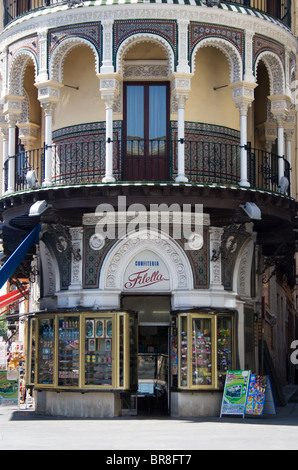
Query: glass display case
point(31, 351)
point(201, 352)
point(68, 351)
point(98, 351)
point(224, 347)
point(205, 350)
point(84, 350)
point(183, 351)
point(46, 351)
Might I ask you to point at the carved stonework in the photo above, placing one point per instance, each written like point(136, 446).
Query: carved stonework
point(275, 72)
point(168, 249)
point(145, 70)
point(227, 48)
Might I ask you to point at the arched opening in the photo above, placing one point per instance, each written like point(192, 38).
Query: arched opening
point(80, 100)
point(263, 158)
point(210, 98)
point(29, 131)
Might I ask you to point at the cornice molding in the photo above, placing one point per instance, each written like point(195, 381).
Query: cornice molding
point(53, 18)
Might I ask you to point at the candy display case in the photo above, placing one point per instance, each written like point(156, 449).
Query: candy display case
point(205, 349)
point(83, 351)
point(201, 352)
point(98, 351)
point(224, 347)
point(46, 351)
point(183, 352)
point(68, 351)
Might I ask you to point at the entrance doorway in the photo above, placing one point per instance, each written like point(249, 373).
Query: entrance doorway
point(146, 117)
point(153, 395)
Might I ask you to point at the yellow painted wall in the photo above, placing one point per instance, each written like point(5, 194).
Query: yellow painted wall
point(206, 104)
point(85, 104)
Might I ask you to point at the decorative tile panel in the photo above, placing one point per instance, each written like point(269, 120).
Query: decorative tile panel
point(199, 31)
point(163, 28)
point(89, 31)
point(261, 44)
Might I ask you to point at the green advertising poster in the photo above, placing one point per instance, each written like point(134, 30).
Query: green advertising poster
point(9, 388)
point(235, 392)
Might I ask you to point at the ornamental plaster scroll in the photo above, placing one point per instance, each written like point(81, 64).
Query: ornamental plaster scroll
point(25, 108)
point(17, 70)
point(50, 270)
point(230, 51)
point(139, 38)
point(145, 70)
point(242, 272)
point(123, 251)
point(60, 53)
point(275, 71)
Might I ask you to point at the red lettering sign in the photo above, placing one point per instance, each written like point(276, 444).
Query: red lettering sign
point(143, 279)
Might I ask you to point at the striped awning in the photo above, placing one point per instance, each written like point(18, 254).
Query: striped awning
point(11, 297)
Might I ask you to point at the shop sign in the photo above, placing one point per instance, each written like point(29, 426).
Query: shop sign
point(146, 271)
point(235, 392)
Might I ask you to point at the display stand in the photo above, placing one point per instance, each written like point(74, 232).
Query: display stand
point(9, 388)
point(260, 398)
point(235, 393)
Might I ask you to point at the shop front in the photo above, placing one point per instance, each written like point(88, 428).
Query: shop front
point(161, 348)
point(119, 362)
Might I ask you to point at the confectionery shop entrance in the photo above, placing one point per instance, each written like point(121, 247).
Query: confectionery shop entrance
point(153, 394)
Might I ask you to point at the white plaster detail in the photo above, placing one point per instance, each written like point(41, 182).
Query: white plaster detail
point(124, 250)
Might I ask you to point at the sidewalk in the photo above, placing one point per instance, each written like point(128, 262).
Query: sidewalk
point(24, 429)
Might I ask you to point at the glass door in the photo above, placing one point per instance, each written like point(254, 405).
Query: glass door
point(146, 132)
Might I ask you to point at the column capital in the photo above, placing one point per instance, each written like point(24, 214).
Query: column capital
point(109, 86)
point(243, 94)
point(28, 134)
point(48, 107)
point(280, 107)
point(181, 83)
point(12, 107)
point(48, 91)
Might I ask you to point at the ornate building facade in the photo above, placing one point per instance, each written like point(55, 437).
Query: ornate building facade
point(151, 145)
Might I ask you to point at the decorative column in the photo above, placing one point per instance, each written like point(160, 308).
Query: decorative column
point(180, 87)
point(4, 134)
point(12, 109)
point(279, 109)
point(107, 47)
point(290, 126)
point(110, 89)
point(215, 234)
point(289, 132)
point(243, 96)
point(11, 119)
point(76, 234)
point(48, 95)
point(183, 65)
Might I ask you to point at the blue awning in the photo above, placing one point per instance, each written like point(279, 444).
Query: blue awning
point(18, 255)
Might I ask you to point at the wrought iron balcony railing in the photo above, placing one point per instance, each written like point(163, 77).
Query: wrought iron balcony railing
point(280, 9)
point(138, 160)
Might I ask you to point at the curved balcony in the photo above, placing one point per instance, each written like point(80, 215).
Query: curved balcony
point(206, 163)
point(275, 8)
